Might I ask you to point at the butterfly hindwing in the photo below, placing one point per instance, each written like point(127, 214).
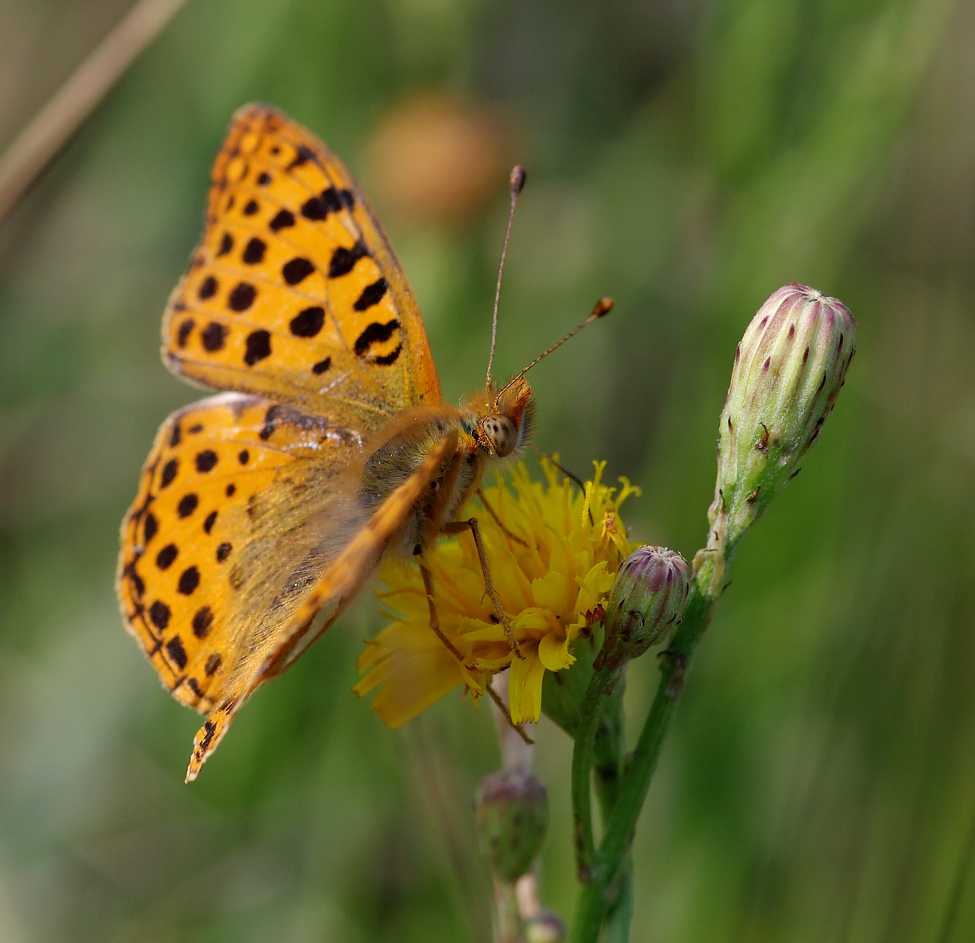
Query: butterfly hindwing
point(339, 582)
point(240, 509)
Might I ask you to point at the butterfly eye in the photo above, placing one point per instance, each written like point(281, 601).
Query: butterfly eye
point(501, 433)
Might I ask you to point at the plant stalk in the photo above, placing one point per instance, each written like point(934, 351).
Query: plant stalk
point(608, 870)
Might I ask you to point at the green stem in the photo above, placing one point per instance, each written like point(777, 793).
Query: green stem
point(608, 771)
point(609, 864)
point(620, 914)
point(590, 714)
point(508, 926)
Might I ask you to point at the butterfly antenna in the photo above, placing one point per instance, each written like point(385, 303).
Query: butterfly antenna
point(600, 309)
point(517, 185)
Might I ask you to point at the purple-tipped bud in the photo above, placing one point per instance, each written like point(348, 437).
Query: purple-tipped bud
point(648, 598)
point(511, 817)
point(545, 926)
point(789, 368)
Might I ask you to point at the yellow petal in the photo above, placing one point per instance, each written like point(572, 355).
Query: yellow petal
point(412, 682)
point(553, 652)
point(551, 591)
point(525, 689)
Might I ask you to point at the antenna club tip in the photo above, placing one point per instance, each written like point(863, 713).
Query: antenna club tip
point(518, 177)
point(603, 306)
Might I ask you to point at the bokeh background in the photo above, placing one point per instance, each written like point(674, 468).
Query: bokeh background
point(686, 158)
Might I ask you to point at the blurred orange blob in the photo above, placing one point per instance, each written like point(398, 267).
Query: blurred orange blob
point(435, 158)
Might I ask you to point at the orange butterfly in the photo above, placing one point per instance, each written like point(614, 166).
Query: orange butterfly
point(261, 511)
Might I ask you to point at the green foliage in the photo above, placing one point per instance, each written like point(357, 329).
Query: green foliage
point(818, 782)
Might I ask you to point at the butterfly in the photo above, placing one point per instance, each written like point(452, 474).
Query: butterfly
point(263, 509)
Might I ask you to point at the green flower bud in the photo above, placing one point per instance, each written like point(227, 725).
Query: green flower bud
point(789, 368)
point(648, 598)
point(511, 817)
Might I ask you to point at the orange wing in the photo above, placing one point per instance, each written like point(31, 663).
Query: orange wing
point(338, 584)
point(247, 527)
point(240, 509)
point(294, 292)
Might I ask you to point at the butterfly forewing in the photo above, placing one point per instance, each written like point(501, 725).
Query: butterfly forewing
point(294, 292)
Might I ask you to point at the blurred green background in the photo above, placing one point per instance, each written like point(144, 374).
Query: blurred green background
point(686, 158)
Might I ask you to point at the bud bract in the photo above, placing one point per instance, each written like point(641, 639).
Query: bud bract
point(647, 599)
point(511, 817)
point(789, 368)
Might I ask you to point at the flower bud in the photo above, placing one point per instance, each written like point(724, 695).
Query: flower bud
point(511, 816)
point(789, 368)
point(545, 926)
point(648, 598)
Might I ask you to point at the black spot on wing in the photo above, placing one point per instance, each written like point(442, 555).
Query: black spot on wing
point(183, 335)
point(159, 614)
point(387, 360)
point(166, 556)
point(374, 334)
point(208, 288)
point(344, 259)
point(242, 297)
point(283, 219)
point(331, 200)
point(270, 422)
point(187, 505)
point(150, 527)
point(254, 251)
point(258, 347)
point(168, 473)
point(176, 652)
point(189, 579)
point(202, 620)
point(214, 336)
point(206, 460)
point(308, 323)
point(302, 156)
point(371, 295)
point(296, 270)
point(211, 728)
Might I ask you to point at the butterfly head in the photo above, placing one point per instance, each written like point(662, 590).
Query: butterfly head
point(509, 418)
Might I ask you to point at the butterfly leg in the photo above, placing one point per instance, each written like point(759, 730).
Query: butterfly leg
point(457, 527)
point(497, 520)
point(434, 618)
point(565, 471)
point(435, 625)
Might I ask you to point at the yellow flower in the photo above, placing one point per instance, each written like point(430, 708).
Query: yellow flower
point(553, 564)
